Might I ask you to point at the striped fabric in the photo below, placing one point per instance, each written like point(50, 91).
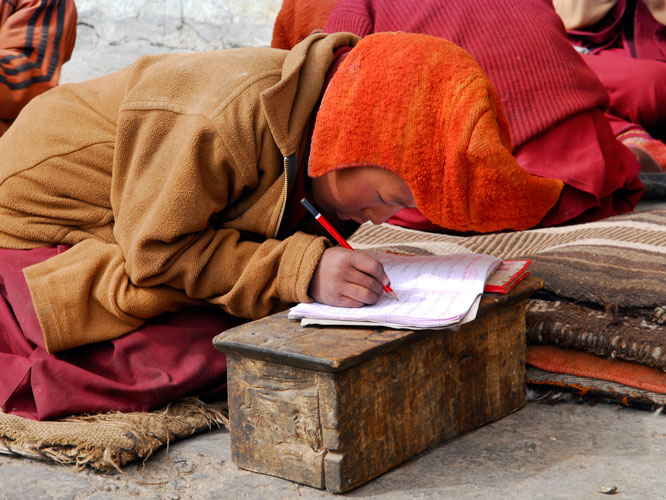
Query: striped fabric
point(620, 260)
point(604, 291)
point(36, 38)
point(586, 387)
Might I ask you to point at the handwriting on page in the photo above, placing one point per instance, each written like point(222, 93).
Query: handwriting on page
point(454, 273)
point(433, 290)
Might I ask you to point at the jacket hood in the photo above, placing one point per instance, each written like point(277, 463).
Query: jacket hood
point(288, 104)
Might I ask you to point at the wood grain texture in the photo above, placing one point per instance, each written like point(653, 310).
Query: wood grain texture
point(333, 349)
point(337, 430)
point(274, 420)
point(386, 410)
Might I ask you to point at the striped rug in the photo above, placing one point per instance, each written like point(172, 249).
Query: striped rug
point(605, 290)
point(594, 388)
point(620, 260)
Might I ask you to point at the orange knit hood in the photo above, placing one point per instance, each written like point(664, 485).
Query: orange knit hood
point(422, 108)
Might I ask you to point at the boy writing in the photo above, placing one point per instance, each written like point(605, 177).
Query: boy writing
point(175, 183)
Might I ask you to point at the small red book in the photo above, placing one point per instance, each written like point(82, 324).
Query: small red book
point(507, 275)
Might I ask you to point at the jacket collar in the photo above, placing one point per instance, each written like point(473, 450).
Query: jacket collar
point(288, 104)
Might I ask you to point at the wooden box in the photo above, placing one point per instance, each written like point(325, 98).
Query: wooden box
point(333, 407)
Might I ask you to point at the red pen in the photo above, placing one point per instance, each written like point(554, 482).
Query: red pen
point(338, 237)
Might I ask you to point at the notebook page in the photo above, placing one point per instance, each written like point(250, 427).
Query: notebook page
point(465, 272)
point(433, 291)
point(415, 308)
point(470, 316)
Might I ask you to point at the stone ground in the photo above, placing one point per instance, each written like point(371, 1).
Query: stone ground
point(557, 447)
point(567, 450)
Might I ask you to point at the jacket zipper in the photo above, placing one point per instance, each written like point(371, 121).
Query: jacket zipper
point(288, 162)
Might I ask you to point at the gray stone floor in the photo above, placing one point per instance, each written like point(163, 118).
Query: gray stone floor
point(569, 450)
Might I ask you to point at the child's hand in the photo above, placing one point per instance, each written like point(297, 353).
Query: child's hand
point(347, 278)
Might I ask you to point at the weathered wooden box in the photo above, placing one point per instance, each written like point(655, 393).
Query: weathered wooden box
point(333, 407)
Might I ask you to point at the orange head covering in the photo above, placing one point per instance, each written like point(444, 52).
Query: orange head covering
point(299, 18)
point(422, 108)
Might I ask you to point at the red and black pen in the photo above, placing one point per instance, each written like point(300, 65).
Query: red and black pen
point(337, 236)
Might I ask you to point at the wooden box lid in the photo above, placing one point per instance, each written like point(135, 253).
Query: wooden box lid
point(334, 348)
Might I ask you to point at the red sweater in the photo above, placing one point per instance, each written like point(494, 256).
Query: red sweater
point(539, 84)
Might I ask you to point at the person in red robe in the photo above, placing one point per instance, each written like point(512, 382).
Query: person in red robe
point(624, 43)
point(554, 103)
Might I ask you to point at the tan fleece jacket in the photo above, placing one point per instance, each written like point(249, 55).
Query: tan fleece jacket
point(168, 180)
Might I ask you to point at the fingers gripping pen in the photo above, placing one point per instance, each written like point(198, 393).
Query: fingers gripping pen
point(337, 236)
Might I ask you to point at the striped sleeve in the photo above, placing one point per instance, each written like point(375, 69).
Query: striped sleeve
point(36, 38)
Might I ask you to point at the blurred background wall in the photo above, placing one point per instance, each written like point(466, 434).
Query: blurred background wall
point(113, 33)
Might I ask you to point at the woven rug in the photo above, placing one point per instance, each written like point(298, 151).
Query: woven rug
point(594, 388)
point(605, 282)
point(106, 442)
point(601, 332)
point(619, 260)
point(616, 266)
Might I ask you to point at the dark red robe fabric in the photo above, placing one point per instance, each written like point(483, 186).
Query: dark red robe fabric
point(170, 357)
point(628, 54)
point(629, 25)
point(554, 103)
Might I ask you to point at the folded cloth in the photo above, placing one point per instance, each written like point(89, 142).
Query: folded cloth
point(584, 364)
point(607, 333)
point(429, 114)
point(637, 89)
point(597, 389)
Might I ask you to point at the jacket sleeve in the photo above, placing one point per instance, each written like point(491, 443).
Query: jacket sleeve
point(174, 171)
point(35, 40)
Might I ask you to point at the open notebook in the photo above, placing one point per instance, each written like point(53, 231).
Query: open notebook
point(434, 291)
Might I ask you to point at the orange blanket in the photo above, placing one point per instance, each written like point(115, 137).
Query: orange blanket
point(584, 364)
point(296, 20)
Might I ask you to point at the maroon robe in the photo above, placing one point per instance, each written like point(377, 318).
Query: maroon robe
point(628, 54)
point(554, 103)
